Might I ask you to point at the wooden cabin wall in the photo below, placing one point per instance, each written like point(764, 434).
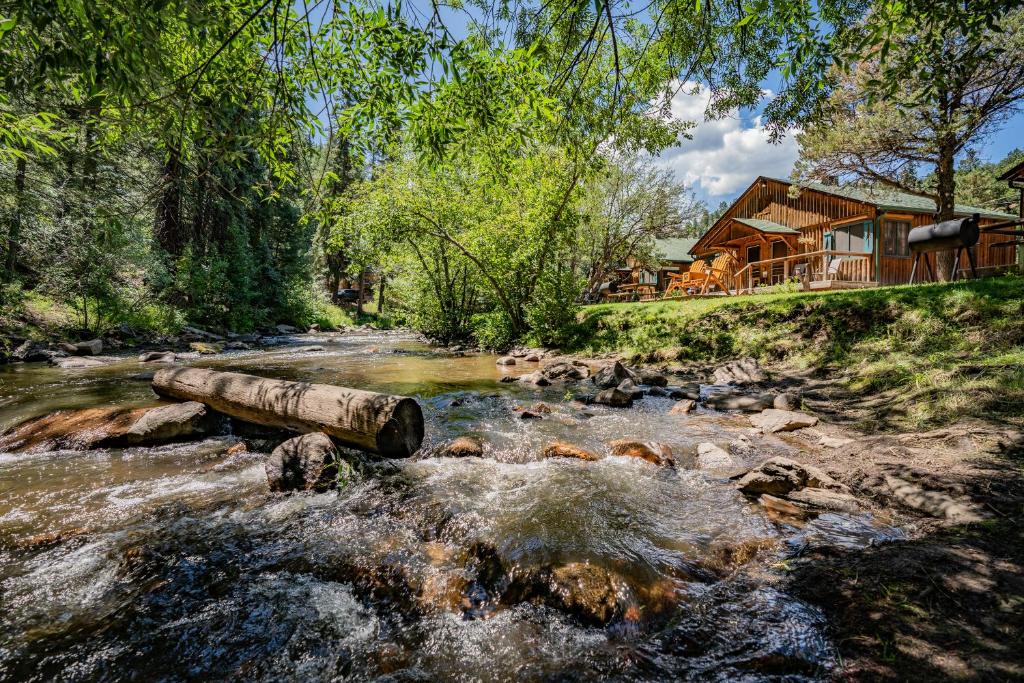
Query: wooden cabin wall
point(773, 203)
point(894, 270)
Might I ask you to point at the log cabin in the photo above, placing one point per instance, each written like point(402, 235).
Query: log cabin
point(643, 278)
point(829, 236)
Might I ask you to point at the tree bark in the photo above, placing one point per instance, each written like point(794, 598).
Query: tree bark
point(359, 299)
point(946, 191)
point(380, 294)
point(391, 426)
point(168, 225)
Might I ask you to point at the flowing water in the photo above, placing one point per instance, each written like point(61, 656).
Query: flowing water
point(177, 563)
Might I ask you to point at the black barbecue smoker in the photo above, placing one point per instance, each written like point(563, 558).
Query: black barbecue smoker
point(960, 234)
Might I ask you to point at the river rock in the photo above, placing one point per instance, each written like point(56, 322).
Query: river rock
point(657, 453)
point(833, 441)
point(778, 476)
point(565, 370)
point(70, 429)
point(612, 376)
point(683, 407)
point(614, 398)
point(313, 329)
point(656, 391)
point(825, 499)
point(773, 420)
point(286, 329)
point(506, 360)
point(588, 592)
point(741, 402)
point(689, 391)
point(36, 352)
point(781, 506)
point(158, 357)
point(536, 378)
point(651, 377)
point(560, 449)
point(168, 423)
point(305, 463)
point(713, 457)
point(629, 387)
point(461, 447)
point(79, 362)
point(743, 371)
point(532, 358)
point(93, 347)
point(206, 348)
point(191, 333)
point(236, 345)
point(787, 400)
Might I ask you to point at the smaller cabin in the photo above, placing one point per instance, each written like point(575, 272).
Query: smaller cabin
point(672, 257)
point(829, 236)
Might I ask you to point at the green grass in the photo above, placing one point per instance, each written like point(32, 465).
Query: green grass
point(944, 349)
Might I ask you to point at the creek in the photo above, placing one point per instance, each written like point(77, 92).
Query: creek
point(177, 563)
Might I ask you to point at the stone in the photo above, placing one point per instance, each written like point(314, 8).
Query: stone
point(627, 386)
point(614, 398)
point(286, 329)
point(158, 357)
point(168, 423)
point(79, 362)
point(656, 391)
point(834, 441)
point(713, 457)
point(560, 449)
point(651, 377)
point(778, 476)
point(236, 345)
point(305, 463)
point(690, 391)
point(313, 329)
point(743, 371)
point(773, 420)
point(588, 592)
point(506, 360)
point(787, 400)
point(528, 415)
point(683, 407)
point(565, 370)
point(536, 378)
point(206, 348)
point(237, 449)
point(825, 499)
point(93, 347)
point(612, 376)
point(657, 453)
point(532, 358)
point(741, 402)
point(190, 333)
point(461, 447)
point(780, 506)
point(36, 352)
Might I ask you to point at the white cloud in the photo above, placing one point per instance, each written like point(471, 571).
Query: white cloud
point(725, 155)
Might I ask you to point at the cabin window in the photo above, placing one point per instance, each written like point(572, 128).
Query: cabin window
point(896, 234)
point(853, 237)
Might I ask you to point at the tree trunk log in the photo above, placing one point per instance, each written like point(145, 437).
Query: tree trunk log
point(391, 426)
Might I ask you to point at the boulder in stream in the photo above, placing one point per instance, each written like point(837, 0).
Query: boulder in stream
point(627, 386)
point(779, 476)
point(657, 453)
point(773, 420)
point(93, 347)
point(536, 378)
point(32, 351)
point(158, 357)
point(587, 591)
point(186, 420)
point(460, 447)
point(612, 376)
point(305, 463)
point(206, 348)
point(683, 407)
point(79, 362)
point(650, 377)
point(506, 360)
point(560, 449)
point(747, 403)
point(713, 457)
point(614, 397)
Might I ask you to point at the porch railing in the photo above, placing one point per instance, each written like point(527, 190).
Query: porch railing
point(821, 266)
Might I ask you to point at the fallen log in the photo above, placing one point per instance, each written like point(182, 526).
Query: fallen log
point(391, 426)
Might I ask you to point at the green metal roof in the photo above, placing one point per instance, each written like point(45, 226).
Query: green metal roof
point(767, 226)
point(891, 200)
point(677, 249)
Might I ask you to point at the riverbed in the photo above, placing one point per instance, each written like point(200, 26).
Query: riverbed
point(177, 563)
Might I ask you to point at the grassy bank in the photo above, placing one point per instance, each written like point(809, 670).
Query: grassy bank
point(941, 351)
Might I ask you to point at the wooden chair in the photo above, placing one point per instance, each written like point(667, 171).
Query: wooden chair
point(717, 274)
point(682, 282)
point(833, 268)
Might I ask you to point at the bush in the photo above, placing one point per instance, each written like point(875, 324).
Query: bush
point(552, 313)
point(493, 330)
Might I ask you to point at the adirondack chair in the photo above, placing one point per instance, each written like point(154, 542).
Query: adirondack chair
point(833, 268)
point(717, 273)
point(694, 277)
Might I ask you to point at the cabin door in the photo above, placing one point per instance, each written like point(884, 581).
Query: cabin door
point(778, 269)
point(753, 256)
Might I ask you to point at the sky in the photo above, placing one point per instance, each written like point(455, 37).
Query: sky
point(725, 155)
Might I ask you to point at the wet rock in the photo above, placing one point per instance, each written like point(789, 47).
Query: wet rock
point(206, 348)
point(778, 476)
point(588, 592)
point(651, 377)
point(79, 362)
point(461, 447)
point(683, 407)
point(825, 499)
point(236, 345)
point(614, 398)
point(167, 423)
point(286, 329)
point(70, 429)
point(541, 409)
point(536, 378)
point(656, 391)
point(689, 391)
point(713, 457)
point(612, 376)
point(564, 370)
point(191, 333)
point(532, 358)
point(743, 371)
point(528, 415)
point(773, 420)
point(657, 453)
point(782, 507)
point(36, 352)
point(93, 347)
point(560, 449)
point(237, 449)
point(313, 329)
point(305, 463)
point(787, 400)
point(158, 357)
point(742, 402)
point(506, 360)
point(628, 387)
